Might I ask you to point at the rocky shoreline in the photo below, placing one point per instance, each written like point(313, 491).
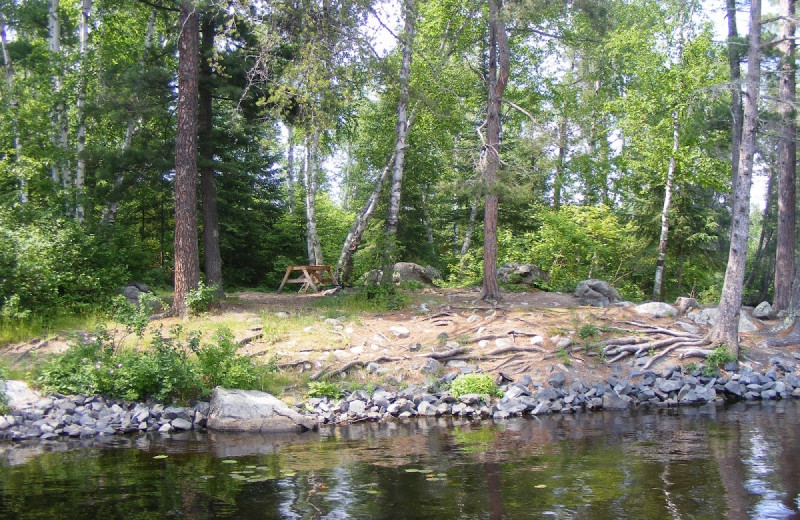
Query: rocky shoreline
point(80, 416)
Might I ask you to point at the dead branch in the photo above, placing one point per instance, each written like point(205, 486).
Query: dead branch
point(445, 354)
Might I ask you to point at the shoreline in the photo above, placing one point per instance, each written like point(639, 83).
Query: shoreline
point(58, 417)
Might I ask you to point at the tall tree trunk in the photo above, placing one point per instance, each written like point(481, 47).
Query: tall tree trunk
point(109, 214)
point(726, 329)
point(473, 216)
point(14, 105)
point(498, 78)
point(312, 184)
point(734, 61)
point(426, 215)
point(662, 242)
point(344, 266)
point(212, 260)
point(558, 179)
point(187, 268)
point(290, 168)
point(787, 162)
point(59, 171)
point(765, 237)
point(401, 128)
point(83, 77)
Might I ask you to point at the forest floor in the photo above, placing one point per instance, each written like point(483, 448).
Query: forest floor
point(314, 336)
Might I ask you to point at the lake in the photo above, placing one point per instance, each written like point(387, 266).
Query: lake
point(737, 461)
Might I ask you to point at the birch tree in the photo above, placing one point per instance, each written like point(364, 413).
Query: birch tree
point(83, 65)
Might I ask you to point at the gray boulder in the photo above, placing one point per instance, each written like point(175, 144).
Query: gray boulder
point(134, 290)
point(596, 293)
point(19, 394)
point(411, 272)
point(526, 274)
point(763, 311)
point(656, 309)
point(253, 411)
point(708, 317)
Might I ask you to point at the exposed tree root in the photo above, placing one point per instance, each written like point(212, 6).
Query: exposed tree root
point(453, 352)
point(513, 348)
point(249, 339)
point(696, 352)
point(323, 373)
point(620, 348)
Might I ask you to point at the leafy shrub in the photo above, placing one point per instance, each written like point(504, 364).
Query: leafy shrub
point(201, 299)
point(135, 318)
point(383, 296)
point(221, 365)
point(323, 389)
point(718, 357)
point(588, 331)
point(4, 409)
point(474, 384)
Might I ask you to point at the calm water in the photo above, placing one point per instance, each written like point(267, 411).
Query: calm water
point(737, 462)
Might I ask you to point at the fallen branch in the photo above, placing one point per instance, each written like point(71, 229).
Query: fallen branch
point(445, 354)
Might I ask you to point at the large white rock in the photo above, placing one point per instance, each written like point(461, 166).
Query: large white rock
point(254, 411)
point(656, 309)
point(708, 317)
point(19, 394)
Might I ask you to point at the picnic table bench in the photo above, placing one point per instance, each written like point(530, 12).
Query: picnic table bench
point(309, 275)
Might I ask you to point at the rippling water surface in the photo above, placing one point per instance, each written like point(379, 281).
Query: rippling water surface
point(735, 462)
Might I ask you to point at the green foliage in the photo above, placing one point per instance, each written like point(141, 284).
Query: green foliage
point(718, 357)
point(173, 368)
point(474, 384)
point(4, 409)
point(691, 368)
point(588, 331)
point(201, 299)
point(382, 296)
point(324, 389)
point(134, 317)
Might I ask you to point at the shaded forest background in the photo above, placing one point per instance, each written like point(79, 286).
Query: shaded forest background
point(617, 120)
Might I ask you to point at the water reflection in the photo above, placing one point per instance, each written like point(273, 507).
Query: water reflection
point(711, 462)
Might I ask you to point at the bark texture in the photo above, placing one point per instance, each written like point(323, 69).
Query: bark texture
point(726, 329)
point(187, 268)
point(734, 61)
point(498, 78)
point(290, 169)
point(312, 184)
point(401, 129)
point(787, 162)
point(80, 167)
point(662, 242)
point(59, 171)
point(14, 103)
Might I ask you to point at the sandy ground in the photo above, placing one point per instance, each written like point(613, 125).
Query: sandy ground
point(519, 336)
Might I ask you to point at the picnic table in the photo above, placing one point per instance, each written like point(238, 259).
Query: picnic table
point(309, 275)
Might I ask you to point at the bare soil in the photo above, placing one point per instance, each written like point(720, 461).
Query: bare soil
point(518, 336)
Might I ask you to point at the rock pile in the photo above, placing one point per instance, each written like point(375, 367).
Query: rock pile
point(89, 416)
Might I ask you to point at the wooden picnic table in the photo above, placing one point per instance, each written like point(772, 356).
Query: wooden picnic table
point(308, 275)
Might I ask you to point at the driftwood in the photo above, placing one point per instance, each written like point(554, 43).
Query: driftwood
point(322, 373)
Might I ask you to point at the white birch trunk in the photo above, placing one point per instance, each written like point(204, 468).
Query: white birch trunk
point(662, 242)
point(80, 168)
point(312, 184)
point(726, 329)
point(402, 124)
point(290, 168)
point(59, 171)
point(14, 104)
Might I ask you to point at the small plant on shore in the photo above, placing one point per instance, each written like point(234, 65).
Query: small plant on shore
point(588, 331)
point(134, 317)
point(324, 389)
point(691, 368)
point(718, 357)
point(4, 409)
point(563, 356)
point(201, 299)
point(474, 384)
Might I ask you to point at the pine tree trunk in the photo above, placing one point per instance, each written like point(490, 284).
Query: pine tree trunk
point(726, 329)
point(344, 266)
point(290, 169)
point(83, 63)
point(498, 78)
point(787, 162)
point(734, 61)
point(312, 184)
point(109, 214)
point(473, 216)
point(187, 268)
point(212, 260)
point(393, 214)
point(662, 242)
point(14, 105)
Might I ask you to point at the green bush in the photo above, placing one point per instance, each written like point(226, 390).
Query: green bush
point(172, 369)
point(718, 357)
point(323, 389)
point(474, 384)
point(134, 317)
point(201, 299)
